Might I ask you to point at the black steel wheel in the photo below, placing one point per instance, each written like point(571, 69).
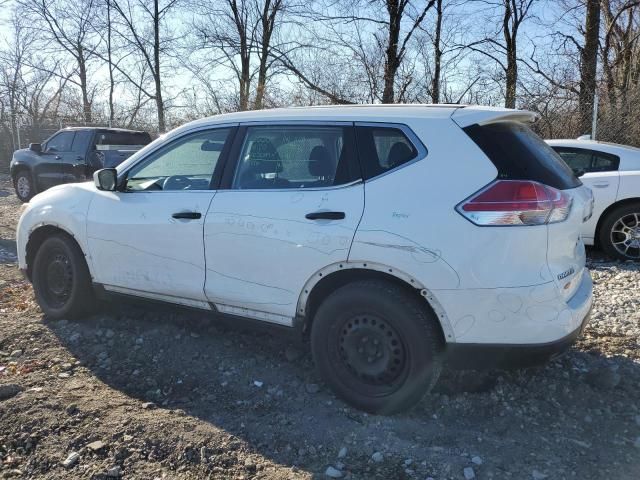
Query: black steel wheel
point(377, 345)
point(61, 279)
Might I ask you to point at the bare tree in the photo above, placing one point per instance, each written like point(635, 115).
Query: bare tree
point(66, 24)
point(241, 35)
point(505, 52)
point(143, 33)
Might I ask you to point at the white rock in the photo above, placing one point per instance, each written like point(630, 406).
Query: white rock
point(477, 460)
point(343, 452)
point(377, 457)
point(333, 472)
point(536, 475)
point(258, 383)
point(469, 474)
point(71, 460)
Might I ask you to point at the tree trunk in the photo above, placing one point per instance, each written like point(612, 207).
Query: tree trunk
point(156, 74)
point(437, 55)
point(391, 62)
point(588, 64)
point(511, 71)
point(82, 73)
point(110, 62)
point(267, 20)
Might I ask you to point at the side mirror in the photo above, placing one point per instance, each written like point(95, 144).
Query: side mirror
point(106, 179)
point(35, 147)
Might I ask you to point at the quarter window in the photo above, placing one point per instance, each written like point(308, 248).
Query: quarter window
point(283, 157)
point(60, 142)
point(582, 160)
point(186, 164)
point(382, 149)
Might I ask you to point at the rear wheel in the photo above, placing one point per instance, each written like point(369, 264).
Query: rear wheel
point(23, 186)
point(620, 232)
point(61, 279)
point(377, 346)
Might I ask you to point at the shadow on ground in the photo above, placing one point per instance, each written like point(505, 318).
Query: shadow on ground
point(571, 416)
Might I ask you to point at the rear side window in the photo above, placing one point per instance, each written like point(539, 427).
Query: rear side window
point(81, 141)
point(106, 137)
point(582, 160)
point(279, 157)
point(382, 149)
point(519, 154)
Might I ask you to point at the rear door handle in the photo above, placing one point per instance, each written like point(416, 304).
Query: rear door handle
point(187, 215)
point(325, 216)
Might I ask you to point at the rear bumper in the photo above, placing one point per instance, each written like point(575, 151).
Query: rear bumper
point(474, 356)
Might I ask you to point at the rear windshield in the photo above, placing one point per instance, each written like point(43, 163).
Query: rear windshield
point(519, 154)
point(106, 137)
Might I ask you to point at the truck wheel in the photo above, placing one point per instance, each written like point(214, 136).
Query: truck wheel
point(620, 232)
point(23, 186)
point(61, 279)
point(377, 346)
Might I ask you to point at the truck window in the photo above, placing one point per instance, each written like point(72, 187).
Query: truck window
point(106, 137)
point(81, 142)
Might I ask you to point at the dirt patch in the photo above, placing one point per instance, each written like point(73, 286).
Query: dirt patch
point(142, 392)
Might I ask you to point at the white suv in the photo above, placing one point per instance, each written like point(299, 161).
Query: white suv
point(398, 238)
point(613, 173)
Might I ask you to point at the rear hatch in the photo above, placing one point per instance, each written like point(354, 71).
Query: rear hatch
point(520, 155)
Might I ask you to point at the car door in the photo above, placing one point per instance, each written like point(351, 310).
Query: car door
point(74, 163)
point(598, 171)
point(290, 207)
point(49, 169)
point(147, 239)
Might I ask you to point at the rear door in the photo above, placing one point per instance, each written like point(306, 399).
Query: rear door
point(290, 207)
point(597, 171)
point(74, 163)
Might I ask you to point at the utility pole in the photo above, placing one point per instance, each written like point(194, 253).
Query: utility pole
point(594, 121)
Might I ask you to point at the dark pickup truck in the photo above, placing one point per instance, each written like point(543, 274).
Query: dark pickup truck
point(71, 155)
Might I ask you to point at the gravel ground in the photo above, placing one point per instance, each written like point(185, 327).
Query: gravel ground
point(142, 392)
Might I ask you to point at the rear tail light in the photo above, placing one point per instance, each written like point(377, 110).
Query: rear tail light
point(516, 202)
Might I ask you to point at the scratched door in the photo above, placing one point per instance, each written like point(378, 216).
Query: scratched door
point(290, 211)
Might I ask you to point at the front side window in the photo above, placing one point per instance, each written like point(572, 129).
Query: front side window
point(283, 157)
point(60, 142)
point(582, 160)
point(186, 164)
point(382, 149)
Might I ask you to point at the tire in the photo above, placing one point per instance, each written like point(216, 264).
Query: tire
point(377, 346)
point(23, 185)
point(61, 279)
point(619, 234)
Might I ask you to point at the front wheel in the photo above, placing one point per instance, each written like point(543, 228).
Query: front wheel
point(61, 279)
point(620, 232)
point(377, 346)
point(24, 186)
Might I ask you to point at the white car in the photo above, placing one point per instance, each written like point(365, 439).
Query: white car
point(398, 238)
point(613, 173)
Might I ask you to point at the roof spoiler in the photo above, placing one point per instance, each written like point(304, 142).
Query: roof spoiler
point(483, 115)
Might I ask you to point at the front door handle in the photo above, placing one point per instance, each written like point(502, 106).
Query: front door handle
point(58, 157)
point(325, 215)
point(601, 184)
point(187, 215)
